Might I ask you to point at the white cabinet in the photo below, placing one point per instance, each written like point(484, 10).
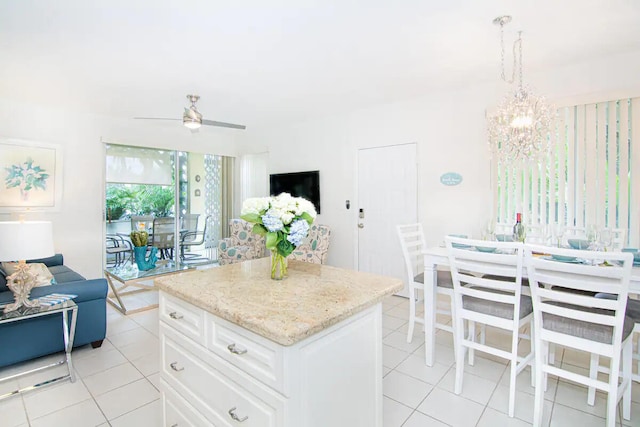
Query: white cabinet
point(217, 373)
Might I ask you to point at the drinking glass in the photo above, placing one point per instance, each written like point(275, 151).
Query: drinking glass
point(606, 238)
point(488, 233)
point(592, 237)
point(557, 232)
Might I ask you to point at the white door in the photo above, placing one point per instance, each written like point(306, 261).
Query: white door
point(387, 196)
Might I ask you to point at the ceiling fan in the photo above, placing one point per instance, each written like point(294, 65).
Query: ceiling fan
point(192, 118)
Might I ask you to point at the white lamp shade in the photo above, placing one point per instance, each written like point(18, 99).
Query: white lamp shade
point(22, 240)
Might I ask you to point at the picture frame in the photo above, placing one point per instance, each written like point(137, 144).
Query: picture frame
point(30, 175)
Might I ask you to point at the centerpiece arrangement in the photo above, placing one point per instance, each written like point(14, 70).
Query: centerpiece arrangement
point(139, 240)
point(284, 221)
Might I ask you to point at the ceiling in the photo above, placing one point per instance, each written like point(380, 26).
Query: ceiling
point(257, 62)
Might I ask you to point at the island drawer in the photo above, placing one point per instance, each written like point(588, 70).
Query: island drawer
point(182, 316)
point(223, 401)
point(255, 355)
point(179, 413)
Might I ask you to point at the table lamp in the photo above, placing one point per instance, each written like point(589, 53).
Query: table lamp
point(19, 241)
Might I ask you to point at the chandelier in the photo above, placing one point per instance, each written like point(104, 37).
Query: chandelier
point(519, 129)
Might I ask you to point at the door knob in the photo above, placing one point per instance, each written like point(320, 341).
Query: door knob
point(360, 225)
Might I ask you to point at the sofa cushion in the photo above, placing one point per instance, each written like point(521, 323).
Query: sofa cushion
point(42, 274)
point(49, 262)
point(64, 274)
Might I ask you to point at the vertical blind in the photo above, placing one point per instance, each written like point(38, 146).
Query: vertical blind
point(591, 177)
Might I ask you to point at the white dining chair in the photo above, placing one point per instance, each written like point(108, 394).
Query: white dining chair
point(567, 312)
point(487, 287)
point(412, 243)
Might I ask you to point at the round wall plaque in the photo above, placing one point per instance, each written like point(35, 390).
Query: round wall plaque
point(451, 178)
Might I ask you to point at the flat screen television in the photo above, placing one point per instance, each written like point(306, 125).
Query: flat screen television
point(298, 184)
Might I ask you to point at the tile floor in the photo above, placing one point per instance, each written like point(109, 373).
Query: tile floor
point(118, 384)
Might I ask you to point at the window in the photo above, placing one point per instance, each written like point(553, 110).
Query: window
point(591, 176)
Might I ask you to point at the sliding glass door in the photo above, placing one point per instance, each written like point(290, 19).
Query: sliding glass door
point(158, 190)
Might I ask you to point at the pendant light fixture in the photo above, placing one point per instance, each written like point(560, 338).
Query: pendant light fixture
point(519, 129)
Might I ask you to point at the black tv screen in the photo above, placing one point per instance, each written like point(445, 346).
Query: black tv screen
point(298, 184)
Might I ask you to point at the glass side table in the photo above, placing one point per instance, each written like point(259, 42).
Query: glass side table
point(68, 331)
point(131, 278)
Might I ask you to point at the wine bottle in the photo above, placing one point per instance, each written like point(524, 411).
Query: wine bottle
point(518, 229)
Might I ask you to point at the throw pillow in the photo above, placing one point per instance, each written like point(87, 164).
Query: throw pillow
point(42, 273)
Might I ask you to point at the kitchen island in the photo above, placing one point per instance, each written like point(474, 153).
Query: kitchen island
point(240, 349)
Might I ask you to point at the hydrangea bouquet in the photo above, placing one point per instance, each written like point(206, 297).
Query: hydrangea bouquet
point(284, 221)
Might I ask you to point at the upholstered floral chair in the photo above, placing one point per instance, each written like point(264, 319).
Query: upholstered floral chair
point(315, 247)
point(242, 244)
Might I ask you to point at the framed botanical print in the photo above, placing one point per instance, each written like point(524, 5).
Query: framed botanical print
point(30, 175)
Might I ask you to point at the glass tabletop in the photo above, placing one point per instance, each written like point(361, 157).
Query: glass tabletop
point(131, 272)
point(26, 312)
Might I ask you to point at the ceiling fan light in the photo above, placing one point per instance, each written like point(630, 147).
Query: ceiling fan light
point(191, 123)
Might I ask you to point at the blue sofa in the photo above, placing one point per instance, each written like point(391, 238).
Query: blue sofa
point(28, 339)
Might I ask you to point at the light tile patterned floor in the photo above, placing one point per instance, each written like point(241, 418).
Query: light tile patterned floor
point(118, 384)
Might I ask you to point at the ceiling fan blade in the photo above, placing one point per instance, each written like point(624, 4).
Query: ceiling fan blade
point(154, 118)
point(223, 124)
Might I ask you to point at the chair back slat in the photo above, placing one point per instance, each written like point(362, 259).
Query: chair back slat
point(564, 311)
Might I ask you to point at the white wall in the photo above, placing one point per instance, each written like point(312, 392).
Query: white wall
point(78, 225)
point(448, 126)
point(450, 130)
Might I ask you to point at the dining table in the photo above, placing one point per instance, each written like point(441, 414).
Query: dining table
point(438, 256)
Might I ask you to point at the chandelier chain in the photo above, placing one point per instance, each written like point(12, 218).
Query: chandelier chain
point(519, 41)
point(515, 64)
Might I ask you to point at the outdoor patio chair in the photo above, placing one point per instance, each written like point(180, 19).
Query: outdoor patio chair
point(194, 238)
point(163, 236)
point(119, 250)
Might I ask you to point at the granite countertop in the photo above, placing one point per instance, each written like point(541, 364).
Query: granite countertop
point(310, 300)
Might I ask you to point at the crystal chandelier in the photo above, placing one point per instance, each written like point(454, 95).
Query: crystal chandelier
point(519, 130)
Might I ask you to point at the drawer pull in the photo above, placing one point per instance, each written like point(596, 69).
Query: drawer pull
point(175, 425)
point(174, 366)
point(234, 416)
point(233, 349)
point(175, 315)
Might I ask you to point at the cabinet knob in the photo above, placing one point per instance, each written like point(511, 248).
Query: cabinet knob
point(174, 366)
point(175, 315)
point(235, 417)
point(233, 349)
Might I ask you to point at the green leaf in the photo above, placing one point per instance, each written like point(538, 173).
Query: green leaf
point(271, 240)
point(260, 230)
point(285, 247)
point(307, 217)
point(252, 218)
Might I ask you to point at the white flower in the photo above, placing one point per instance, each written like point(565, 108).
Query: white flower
point(255, 205)
point(287, 217)
point(303, 205)
point(281, 201)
